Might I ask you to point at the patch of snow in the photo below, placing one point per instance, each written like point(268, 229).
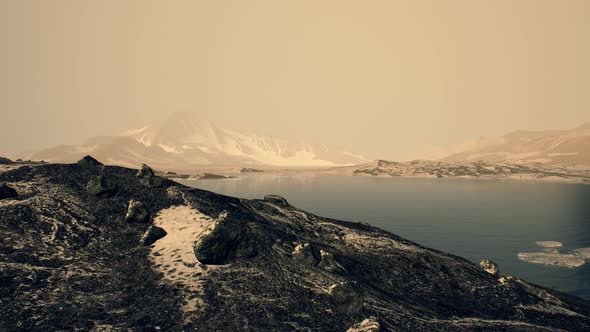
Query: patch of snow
point(552, 259)
point(173, 255)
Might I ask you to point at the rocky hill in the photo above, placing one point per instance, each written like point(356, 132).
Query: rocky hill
point(90, 247)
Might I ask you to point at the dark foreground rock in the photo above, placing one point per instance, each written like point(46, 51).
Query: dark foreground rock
point(68, 261)
point(225, 239)
point(7, 191)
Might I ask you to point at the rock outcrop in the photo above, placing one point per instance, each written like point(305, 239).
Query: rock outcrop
point(147, 178)
point(490, 267)
point(137, 212)
point(304, 254)
point(101, 187)
point(276, 199)
point(224, 240)
point(347, 297)
point(89, 161)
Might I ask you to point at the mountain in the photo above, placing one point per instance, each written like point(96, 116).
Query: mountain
point(87, 247)
point(549, 146)
point(184, 141)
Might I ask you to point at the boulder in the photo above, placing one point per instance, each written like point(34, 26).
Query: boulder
point(276, 199)
point(303, 254)
point(147, 178)
point(137, 212)
point(370, 324)
point(101, 187)
point(153, 234)
point(88, 161)
point(347, 297)
point(145, 171)
point(224, 240)
point(489, 266)
point(328, 262)
point(7, 192)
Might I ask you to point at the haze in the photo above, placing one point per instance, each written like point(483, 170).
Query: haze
point(388, 79)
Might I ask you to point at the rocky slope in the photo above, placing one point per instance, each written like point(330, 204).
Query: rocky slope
point(89, 247)
point(479, 169)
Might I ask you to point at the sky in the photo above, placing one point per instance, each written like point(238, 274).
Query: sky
point(388, 79)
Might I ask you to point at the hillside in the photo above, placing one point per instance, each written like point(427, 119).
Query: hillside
point(93, 247)
point(548, 146)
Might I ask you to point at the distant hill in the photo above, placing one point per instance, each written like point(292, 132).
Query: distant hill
point(5, 161)
point(184, 141)
point(548, 146)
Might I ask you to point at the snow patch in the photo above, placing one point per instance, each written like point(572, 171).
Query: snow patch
point(173, 255)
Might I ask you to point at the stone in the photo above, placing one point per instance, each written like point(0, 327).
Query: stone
point(153, 234)
point(303, 254)
point(137, 212)
point(145, 171)
point(7, 192)
point(276, 199)
point(89, 161)
point(224, 240)
point(101, 187)
point(347, 297)
point(329, 263)
point(489, 266)
point(370, 324)
point(147, 178)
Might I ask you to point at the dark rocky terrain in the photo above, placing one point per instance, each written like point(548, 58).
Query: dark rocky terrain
point(89, 247)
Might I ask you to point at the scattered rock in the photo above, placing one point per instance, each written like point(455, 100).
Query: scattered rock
point(276, 199)
point(224, 240)
point(347, 297)
point(304, 254)
point(101, 187)
point(147, 178)
point(370, 324)
point(328, 262)
point(88, 161)
point(153, 234)
point(137, 212)
point(489, 266)
point(7, 192)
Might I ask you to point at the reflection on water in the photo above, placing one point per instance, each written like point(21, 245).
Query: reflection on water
point(475, 219)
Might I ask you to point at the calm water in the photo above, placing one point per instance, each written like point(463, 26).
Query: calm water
point(475, 219)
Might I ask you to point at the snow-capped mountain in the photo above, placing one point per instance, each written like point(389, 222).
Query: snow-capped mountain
point(548, 146)
point(184, 141)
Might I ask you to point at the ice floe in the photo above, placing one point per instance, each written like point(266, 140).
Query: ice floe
point(551, 256)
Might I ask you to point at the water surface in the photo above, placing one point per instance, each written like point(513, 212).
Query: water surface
point(474, 219)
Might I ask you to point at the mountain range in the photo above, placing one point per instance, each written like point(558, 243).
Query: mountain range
point(184, 141)
point(570, 146)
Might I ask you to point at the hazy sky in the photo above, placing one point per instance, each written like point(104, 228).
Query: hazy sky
point(389, 79)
